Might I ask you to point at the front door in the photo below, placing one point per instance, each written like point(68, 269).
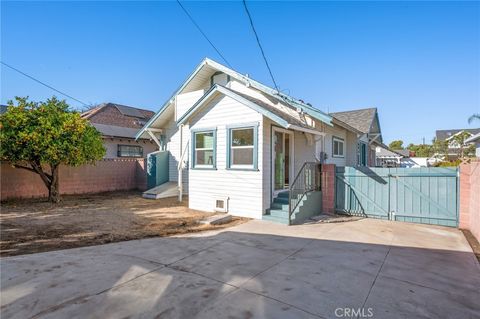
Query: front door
point(282, 159)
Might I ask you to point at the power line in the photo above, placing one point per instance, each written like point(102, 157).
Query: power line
point(203, 33)
point(44, 84)
point(260, 45)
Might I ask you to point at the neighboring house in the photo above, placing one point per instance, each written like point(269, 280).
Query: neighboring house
point(401, 158)
point(236, 145)
point(453, 145)
point(119, 125)
point(367, 126)
point(387, 158)
point(476, 140)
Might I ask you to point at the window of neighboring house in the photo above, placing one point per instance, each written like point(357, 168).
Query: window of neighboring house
point(129, 151)
point(204, 149)
point(242, 147)
point(338, 147)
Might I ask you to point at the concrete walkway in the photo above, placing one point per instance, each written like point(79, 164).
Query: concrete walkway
point(254, 270)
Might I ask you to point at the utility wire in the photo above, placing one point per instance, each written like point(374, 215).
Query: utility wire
point(44, 84)
point(260, 45)
point(203, 33)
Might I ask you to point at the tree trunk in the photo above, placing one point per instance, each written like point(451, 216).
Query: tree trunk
point(50, 180)
point(53, 188)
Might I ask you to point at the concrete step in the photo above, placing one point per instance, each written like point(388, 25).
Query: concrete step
point(275, 219)
point(283, 194)
point(168, 189)
point(280, 200)
point(278, 213)
point(279, 206)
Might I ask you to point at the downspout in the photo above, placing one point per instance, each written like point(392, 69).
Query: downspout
point(180, 164)
point(180, 167)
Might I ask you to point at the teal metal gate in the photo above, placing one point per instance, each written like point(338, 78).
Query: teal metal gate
point(419, 195)
point(157, 168)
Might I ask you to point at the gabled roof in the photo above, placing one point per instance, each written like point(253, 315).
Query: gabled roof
point(361, 119)
point(208, 67)
point(123, 109)
point(442, 135)
point(383, 152)
point(473, 138)
point(270, 111)
point(404, 153)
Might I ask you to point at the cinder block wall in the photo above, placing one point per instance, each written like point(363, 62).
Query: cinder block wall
point(328, 188)
point(470, 198)
point(106, 175)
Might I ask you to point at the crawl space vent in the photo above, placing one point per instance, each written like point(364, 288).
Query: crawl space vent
point(221, 205)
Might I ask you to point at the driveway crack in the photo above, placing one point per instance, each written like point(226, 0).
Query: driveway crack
point(378, 273)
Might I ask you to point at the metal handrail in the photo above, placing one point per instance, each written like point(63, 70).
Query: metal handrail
point(307, 180)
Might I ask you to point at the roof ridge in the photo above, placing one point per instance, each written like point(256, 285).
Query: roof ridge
point(132, 107)
point(458, 129)
point(356, 110)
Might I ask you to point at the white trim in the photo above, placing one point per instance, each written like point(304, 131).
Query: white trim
point(153, 137)
point(318, 114)
point(306, 130)
point(291, 172)
point(227, 92)
point(338, 139)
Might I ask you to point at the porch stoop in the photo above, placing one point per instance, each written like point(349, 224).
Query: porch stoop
point(310, 205)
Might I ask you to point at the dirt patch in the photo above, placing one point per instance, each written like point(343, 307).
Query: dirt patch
point(32, 226)
point(473, 242)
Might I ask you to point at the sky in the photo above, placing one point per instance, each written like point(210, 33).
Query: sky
point(417, 62)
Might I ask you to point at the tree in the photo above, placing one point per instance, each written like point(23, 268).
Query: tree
point(459, 141)
point(421, 150)
point(440, 147)
point(39, 136)
point(396, 145)
point(473, 118)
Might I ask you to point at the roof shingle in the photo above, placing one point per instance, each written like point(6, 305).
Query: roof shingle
point(359, 119)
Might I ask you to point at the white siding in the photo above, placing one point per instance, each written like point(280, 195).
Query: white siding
point(267, 163)
point(243, 188)
point(172, 133)
point(304, 150)
point(351, 147)
point(185, 101)
point(330, 133)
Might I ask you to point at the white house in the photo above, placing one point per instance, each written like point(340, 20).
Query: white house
point(453, 145)
point(238, 146)
point(476, 140)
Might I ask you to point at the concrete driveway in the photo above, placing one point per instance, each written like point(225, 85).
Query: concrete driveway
point(369, 268)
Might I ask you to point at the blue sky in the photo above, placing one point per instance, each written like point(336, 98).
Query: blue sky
point(418, 62)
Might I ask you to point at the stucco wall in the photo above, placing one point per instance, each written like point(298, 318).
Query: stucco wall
point(470, 198)
point(105, 175)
